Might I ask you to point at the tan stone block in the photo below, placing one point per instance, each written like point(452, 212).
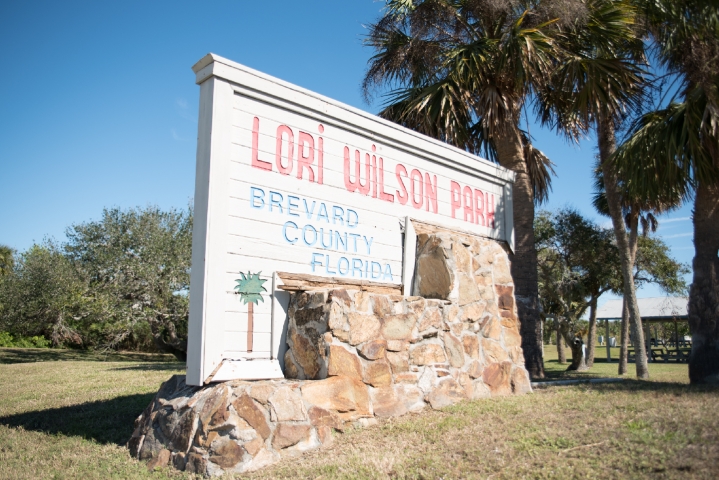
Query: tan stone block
point(381, 306)
point(505, 297)
point(417, 307)
point(462, 258)
point(493, 351)
point(431, 319)
point(470, 343)
point(450, 312)
point(362, 301)
point(343, 394)
point(480, 390)
point(475, 369)
point(324, 434)
point(399, 361)
point(442, 372)
point(397, 345)
point(412, 396)
point(261, 392)
point(227, 454)
point(338, 295)
point(398, 327)
point(287, 404)
point(520, 381)
point(291, 370)
point(386, 402)
point(492, 329)
point(374, 349)
point(473, 312)
point(465, 382)
point(363, 328)
point(287, 435)
point(512, 337)
point(343, 362)
point(456, 328)
point(454, 349)
point(253, 446)
point(161, 460)
point(517, 355)
point(433, 277)
point(320, 417)
point(501, 271)
point(406, 377)
point(377, 373)
point(497, 377)
point(468, 291)
point(341, 335)
point(447, 392)
point(252, 414)
point(427, 354)
point(306, 354)
point(214, 411)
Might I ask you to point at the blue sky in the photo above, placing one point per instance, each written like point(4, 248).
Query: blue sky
point(98, 105)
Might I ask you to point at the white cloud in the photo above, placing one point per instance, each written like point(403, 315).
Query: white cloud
point(678, 219)
point(677, 235)
point(182, 103)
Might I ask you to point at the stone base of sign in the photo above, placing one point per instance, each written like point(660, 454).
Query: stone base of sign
point(354, 355)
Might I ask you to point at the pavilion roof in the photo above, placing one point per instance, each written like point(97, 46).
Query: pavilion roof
point(653, 309)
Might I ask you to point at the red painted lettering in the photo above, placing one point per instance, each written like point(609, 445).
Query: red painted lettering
point(455, 197)
point(468, 204)
point(302, 160)
point(321, 157)
point(374, 173)
point(479, 208)
point(256, 162)
point(417, 186)
point(489, 209)
point(430, 192)
point(387, 197)
point(402, 196)
point(350, 185)
point(282, 130)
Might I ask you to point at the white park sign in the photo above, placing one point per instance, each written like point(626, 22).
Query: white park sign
point(291, 181)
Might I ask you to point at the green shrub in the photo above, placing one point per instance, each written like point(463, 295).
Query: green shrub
point(7, 340)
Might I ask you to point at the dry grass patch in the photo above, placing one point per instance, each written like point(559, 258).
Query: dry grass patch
point(68, 419)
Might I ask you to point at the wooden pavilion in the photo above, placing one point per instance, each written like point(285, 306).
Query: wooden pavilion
point(653, 310)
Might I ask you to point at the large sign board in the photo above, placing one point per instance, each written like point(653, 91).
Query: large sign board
point(290, 181)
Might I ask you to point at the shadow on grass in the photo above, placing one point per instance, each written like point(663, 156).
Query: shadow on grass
point(646, 387)
point(155, 366)
point(105, 421)
point(30, 355)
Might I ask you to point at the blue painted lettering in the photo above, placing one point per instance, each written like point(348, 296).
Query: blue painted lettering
point(257, 194)
point(357, 266)
point(352, 218)
point(323, 213)
point(308, 211)
point(316, 260)
point(368, 243)
point(291, 205)
point(306, 229)
point(276, 200)
point(284, 231)
point(346, 266)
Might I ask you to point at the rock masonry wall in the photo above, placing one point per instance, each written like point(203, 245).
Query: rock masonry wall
point(353, 356)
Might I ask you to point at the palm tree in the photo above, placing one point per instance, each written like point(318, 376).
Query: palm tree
point(461, 72)
point(678, 146)
point(597, 85)
point(7, 260)
point(250, 289)
point(638, 210)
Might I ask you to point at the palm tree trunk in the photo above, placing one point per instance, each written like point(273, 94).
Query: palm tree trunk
point(561, 354)
point(704, 291)
point(592, 337)
point(510, 155)
point(624, 345)
point(607, 146)
point(250, 325)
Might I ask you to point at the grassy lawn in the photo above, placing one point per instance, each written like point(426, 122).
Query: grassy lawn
point(65, 415)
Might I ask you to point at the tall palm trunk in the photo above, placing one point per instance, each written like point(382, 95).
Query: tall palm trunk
point(592, 337)
point(561, 354)
point(510, 155)
point(633, 245)
point(624, 339)
point(607, 146)
point(704, 292)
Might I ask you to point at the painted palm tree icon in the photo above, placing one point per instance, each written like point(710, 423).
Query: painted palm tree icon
point(250, 290)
